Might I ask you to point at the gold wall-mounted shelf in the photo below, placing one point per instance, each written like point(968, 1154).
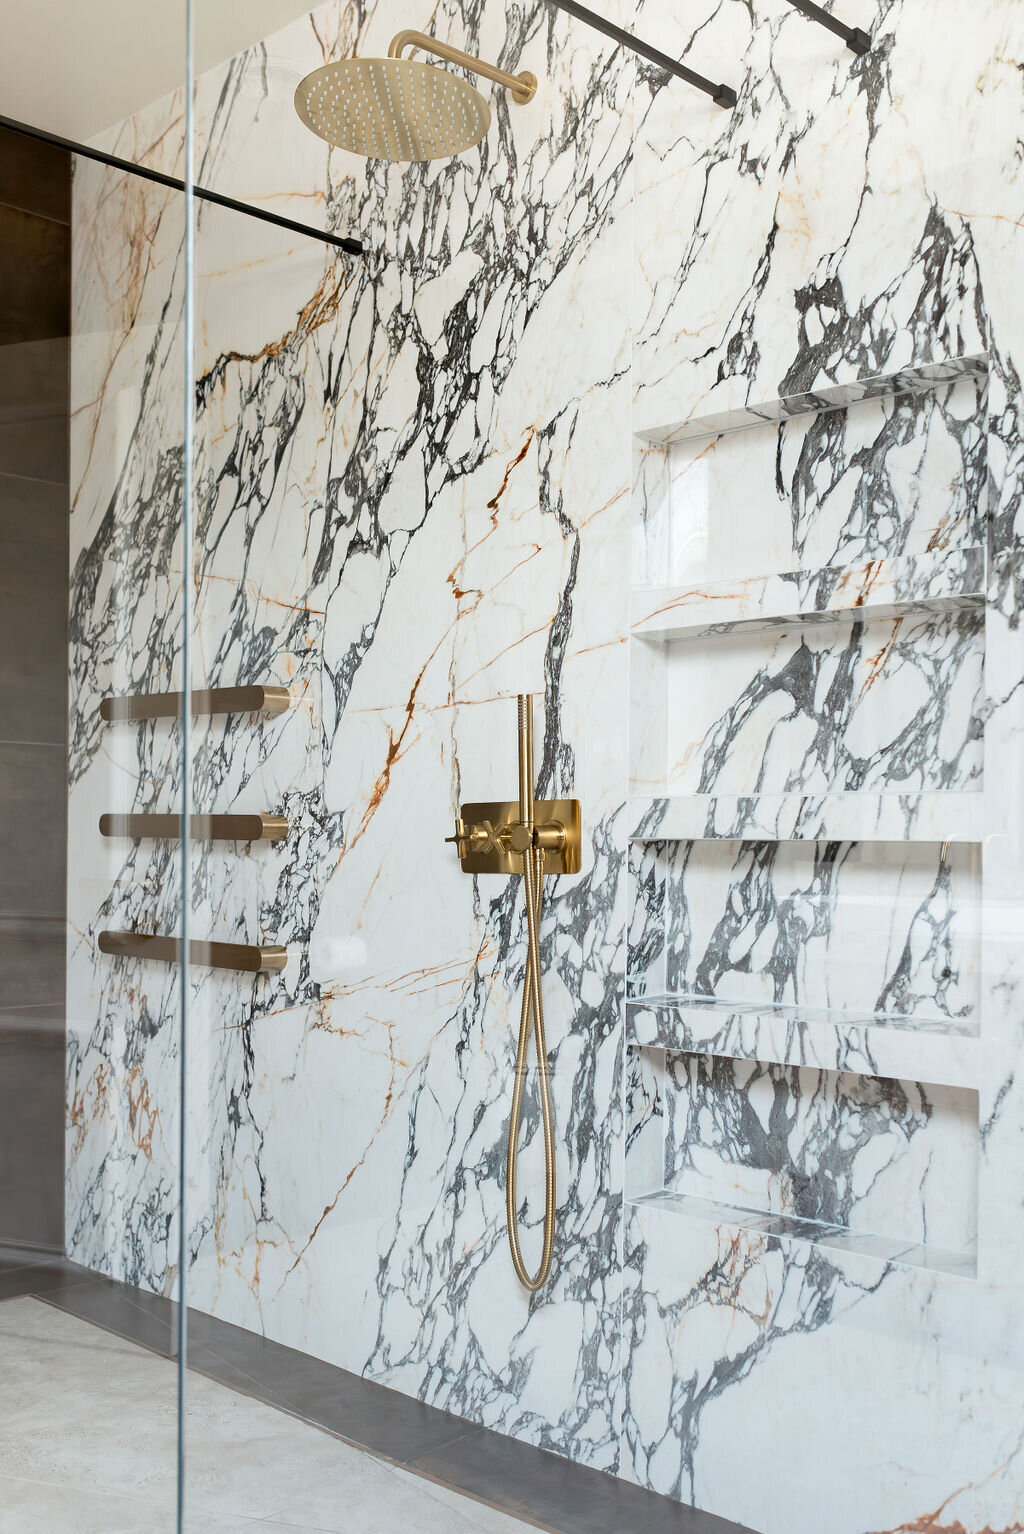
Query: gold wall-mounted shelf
point(217, 828)
point(251, 959)
point(211, 700)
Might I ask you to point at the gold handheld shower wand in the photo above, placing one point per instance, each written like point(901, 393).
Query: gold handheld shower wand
point(506, 838)
point(533, 1008)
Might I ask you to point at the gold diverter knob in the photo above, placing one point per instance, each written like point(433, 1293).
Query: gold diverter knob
point(473, 838)
point(518, 837)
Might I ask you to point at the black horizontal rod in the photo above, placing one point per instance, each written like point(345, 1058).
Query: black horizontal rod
point(340, 242)
point(853, 37)
point(723, 95)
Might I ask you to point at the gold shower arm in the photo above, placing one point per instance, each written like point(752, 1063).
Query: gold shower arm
point(521, 88)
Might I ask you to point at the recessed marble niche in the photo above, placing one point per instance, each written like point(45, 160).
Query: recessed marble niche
point(806, 678)
point(890, 705)
point(884, 478)
point(883, 1166)
point(807, 608)
point(802, 1024)
point(875, 932)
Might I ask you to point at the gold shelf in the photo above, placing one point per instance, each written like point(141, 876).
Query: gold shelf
point(252, 960)
point(212, 700)
point(218, 828)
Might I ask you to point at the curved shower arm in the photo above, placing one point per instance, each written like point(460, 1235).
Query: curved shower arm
point(521, 88)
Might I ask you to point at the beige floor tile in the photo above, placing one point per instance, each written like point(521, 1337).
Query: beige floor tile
point(40, 1507)
point(487, 1519)
point(88, 1443)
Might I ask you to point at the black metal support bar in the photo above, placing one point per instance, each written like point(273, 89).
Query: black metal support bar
point(722, 95)
point(340, 242)
point(853, 37)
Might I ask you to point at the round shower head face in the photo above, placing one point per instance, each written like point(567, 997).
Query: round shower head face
point(393, 109)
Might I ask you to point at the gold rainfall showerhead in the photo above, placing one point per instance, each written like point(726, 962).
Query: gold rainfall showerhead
point(398, 109)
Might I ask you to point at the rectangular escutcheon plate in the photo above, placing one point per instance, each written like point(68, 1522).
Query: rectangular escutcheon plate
point(566, 860)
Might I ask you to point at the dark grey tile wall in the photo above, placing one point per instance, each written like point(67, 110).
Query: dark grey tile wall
point(35, 298)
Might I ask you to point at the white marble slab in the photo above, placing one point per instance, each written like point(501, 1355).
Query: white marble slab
point(414, 485)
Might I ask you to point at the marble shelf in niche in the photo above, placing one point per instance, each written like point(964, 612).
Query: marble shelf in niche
point(885, 1249)
point(939, 1049)
point(872, 705)
point(835, 497)
point(909, 380)
point(884, 1167)
point(934, 581)
point(838, 955)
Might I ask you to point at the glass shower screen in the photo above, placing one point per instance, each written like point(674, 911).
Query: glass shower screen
point(95, 319)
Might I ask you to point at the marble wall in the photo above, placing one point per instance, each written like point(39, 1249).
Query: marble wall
point(788, 1254)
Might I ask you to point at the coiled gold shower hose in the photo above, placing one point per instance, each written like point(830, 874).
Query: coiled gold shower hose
point(532, 1013)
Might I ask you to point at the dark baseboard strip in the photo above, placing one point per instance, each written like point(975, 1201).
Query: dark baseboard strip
point(539, 1487)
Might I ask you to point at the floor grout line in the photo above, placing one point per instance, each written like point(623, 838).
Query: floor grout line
point(469, 1496)
point(100, 1491)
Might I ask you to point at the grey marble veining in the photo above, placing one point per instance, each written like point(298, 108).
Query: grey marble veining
point(416, 496)
point(886, 932)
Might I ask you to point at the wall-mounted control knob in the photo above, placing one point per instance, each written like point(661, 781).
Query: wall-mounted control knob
point(473, 838)
point(491, 836)
point(461, 837)
point(518, 837)
point(550, 836)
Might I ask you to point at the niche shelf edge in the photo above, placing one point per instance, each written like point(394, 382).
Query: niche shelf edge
point(903, 1049)
point(909, 380)
point(885, 1249)
point(874, 589)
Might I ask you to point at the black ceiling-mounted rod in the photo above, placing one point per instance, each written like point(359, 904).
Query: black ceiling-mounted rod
point(340, 242)
point(853, 37)
point(722, 95)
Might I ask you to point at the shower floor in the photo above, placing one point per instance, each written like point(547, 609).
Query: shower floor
point(276, 1439)
point(88, 1445)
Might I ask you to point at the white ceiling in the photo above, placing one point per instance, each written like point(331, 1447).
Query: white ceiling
point(75, 67)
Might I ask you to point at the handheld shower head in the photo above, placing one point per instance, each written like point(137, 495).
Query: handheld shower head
point(398, 109)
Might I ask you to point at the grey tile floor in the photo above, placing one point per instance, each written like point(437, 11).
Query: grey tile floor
point(88, 1446)
point(474, 1473)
